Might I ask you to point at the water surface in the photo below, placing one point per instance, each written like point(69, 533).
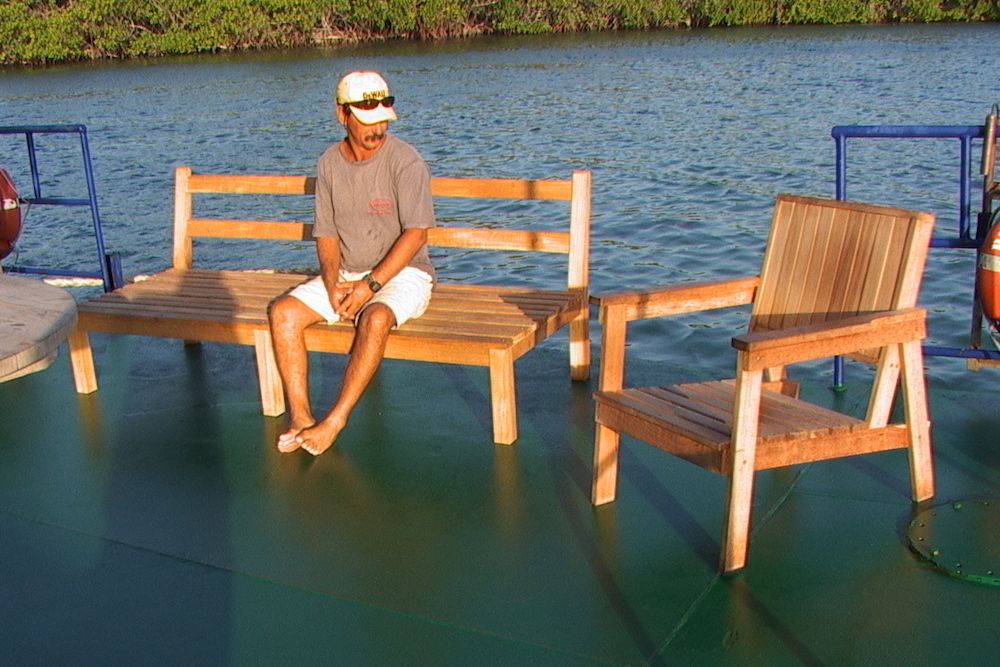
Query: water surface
point(690, 135)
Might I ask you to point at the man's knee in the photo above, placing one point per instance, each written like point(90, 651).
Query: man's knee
point(277, 310)
point(287, 312)
point(377, 317)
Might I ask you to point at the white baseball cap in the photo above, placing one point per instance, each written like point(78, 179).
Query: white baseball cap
point(370, 87)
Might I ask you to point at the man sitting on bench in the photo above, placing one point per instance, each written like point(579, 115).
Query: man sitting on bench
point(373, 208)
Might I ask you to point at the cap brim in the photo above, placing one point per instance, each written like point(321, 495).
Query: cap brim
point(371, 116)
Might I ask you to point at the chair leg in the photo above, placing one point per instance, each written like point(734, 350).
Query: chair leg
point(746, 414)
point(736, 538)
point(605, 483)
point(81, 358)
point(918, 422)
point(503, 397)
point(883, 394)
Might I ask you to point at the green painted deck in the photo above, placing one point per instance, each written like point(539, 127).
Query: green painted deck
point(154, 523)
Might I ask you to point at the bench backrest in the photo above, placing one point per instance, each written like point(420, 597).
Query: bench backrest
point(575, 243)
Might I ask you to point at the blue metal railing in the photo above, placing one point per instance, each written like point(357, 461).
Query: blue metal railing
point(966, 237)
point(963, 133)
point(110, 272)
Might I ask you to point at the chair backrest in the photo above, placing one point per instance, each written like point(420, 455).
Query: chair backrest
point(829, 259)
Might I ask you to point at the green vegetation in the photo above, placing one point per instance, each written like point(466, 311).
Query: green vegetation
point(49, 31)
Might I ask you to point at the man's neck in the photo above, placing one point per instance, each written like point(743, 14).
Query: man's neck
point(356, 152)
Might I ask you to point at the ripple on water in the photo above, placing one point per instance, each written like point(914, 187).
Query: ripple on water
point(690, 136)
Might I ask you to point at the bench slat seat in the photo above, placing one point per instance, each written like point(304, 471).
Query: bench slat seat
point(469, 324)
point(485, 312)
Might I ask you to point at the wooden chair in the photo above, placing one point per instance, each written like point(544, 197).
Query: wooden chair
point(838, 278)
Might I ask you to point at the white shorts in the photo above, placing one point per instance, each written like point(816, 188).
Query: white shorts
point(407, 294)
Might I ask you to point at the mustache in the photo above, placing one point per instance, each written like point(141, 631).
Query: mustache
point(375, 136)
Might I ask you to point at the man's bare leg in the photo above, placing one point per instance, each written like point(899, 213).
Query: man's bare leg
point(367, 351)
point(289, 318)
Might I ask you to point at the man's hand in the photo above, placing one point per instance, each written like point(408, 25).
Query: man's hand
point(355, 295)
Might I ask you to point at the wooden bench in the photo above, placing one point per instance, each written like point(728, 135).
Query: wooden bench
point(478, 325)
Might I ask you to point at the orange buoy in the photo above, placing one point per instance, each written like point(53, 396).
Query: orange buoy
point(10, 214)
point(988, 274)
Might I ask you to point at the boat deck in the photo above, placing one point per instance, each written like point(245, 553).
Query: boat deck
point(153, 522)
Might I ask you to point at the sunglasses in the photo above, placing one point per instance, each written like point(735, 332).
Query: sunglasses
point(368, 105)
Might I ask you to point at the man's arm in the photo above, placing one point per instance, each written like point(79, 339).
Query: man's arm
point(328, 252)
point(400, 254)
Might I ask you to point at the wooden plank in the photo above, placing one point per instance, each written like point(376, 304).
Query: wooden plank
point(681, 299)
point(183, 255)
point(579, 346)
point(685, 402)
point(503, 396)
point(883, 393)
point(501, 188)
point(656, 434)
point(510, 322)
point(918, 423)
point(499, 239)
point(250, 229)
point(777, 453)
point(672, 418)
point(251, 184)
point(272, 396)
point(444, 237)
point(221, 330)
point(820, 260)
point(604, 485)
point(980, 364)
point(578, 276)
point(612, 373)
point(835, 265)
point(861, 332)
point(172, 308)
point(81, 358)
point(35, 318)
point(779, 414)
point(495, 188)
point(740, 467)
point(671, 426)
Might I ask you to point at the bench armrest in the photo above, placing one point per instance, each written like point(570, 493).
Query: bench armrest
point(768, 349)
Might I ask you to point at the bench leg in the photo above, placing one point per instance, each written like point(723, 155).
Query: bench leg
point(272, 391)
point(579, 347)
point(503, 397)
point(81, 358)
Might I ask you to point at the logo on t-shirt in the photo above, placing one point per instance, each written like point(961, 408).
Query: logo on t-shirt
point(381, 206)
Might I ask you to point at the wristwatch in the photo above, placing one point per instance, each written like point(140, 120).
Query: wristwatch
point(373, 284)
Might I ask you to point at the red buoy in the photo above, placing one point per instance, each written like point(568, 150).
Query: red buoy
point(988, 274)
point(10, 214)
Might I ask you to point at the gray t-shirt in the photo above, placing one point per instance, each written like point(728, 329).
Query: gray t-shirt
point(368, 204)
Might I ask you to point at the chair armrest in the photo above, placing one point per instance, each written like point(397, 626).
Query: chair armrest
point(675, 300)
point(767, 349)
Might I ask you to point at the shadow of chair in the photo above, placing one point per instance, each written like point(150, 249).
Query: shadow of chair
point(838, 278)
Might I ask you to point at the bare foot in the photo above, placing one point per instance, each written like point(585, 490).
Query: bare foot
point(289, 440)
point(317, 439)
